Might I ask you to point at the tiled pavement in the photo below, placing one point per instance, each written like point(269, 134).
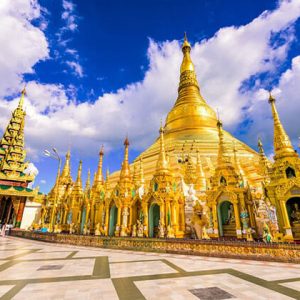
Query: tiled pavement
point(37, 270)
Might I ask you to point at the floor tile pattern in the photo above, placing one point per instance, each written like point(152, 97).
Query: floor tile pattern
point(37, 270)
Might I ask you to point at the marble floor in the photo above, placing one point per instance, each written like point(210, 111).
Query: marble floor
point(38, 270)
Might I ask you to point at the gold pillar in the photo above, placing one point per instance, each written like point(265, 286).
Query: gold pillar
point(106, 220)
point(145, 212)
point(215, 220)
point(237, 220)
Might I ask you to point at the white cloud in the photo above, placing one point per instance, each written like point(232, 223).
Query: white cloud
point(22, 44)
point(68, 15)
point(76, 67)
point(223, 63)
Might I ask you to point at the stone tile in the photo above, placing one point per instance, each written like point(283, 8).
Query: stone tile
point(46, 255)
point(295, 285)
point(4, 289)
point(178, 288)
point(98, 289)
point(211, 293)
point(28, 270)
point(118, 270)
point(50, 267)
point(7, 253)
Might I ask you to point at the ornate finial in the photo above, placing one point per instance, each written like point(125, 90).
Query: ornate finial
point(101, 151)
point(21, 102)
point(78, 179)
point(66, 172)
point(271, 98)
point(125, 170)
point(186, 45)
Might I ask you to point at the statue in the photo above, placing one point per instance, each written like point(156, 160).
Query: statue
point(249, 236)
point(295, 215)
point(140, 229)
point(71, 228)
point(199, 221)
point(97, 230)
point(245, 219)
point(272, 216)
point(161, 230)
point(133, 234)
point(230, 215)
point(170, 232)
point(267, 237)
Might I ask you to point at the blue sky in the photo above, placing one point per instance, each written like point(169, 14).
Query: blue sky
point(92, 67)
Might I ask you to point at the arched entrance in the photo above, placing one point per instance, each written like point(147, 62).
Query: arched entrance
point(113, 218)
point(226, 219)
point(154, 216)
point(7, 211)
point(293, 210)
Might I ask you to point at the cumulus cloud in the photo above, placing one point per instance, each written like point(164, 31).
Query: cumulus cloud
point(224, 64)
point(22, 44)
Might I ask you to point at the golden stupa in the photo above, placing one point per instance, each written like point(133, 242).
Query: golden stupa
point(191, 128)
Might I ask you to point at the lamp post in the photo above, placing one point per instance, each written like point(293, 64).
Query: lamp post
point(54, 154)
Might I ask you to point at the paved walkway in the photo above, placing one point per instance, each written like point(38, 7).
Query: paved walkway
point(37, 270)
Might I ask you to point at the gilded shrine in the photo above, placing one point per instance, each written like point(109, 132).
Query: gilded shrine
point(196, 180)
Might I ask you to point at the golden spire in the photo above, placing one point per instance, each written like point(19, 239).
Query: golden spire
point(21, 102)
point(162, 163)
point(78, 182)
point(125, 170)
point(263, 161)
point(88, 181)
point(282, 144)
point(66, 172)
point(98, 179)
point(221, 153)
point(190, 111)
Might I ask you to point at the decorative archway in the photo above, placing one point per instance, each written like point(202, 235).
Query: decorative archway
point(293, 210)
point(154, 217)
point(226, 219)
point(113, 218)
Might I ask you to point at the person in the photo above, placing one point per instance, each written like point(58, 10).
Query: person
point(3, 230)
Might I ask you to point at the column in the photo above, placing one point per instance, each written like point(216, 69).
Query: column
point(106, 220)
point(145, 212)
point(237, 220)
point(215, 220)
point(286, 221)
point(20, 212)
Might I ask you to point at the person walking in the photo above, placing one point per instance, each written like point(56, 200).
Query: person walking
point(3, 230)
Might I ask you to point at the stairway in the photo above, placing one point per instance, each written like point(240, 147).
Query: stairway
point(229, 230)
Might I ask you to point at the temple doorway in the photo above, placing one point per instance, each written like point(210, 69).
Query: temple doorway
point(6, 211)
point(113, 218)
point(154, 217)
point(226, 219)
point(293, 210)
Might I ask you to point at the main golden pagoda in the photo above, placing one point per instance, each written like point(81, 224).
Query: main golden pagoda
point(196, 179)
point(14, 178)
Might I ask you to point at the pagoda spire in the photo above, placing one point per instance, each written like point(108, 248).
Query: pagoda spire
point(125, 170)
point(21, 101)
point(263, 161)
point(222, 158)
point(88, 181)
point(66, 172)
point(190, 111)
point(162, 163)
point(282, 144)
point(98, 178)
point(78, 182)
point(107, 184)
point(12, 152)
